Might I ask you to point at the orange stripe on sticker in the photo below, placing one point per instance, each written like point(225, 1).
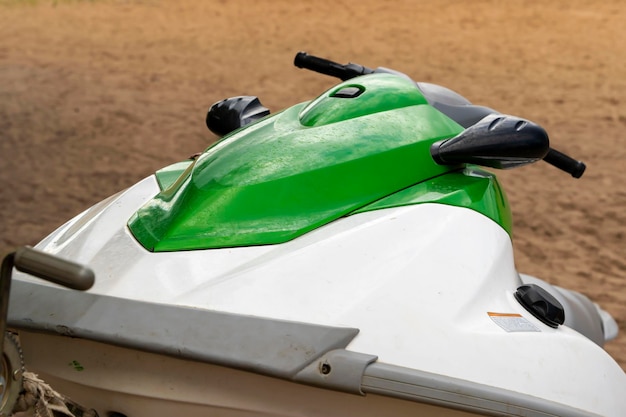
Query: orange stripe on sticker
point(491, 314)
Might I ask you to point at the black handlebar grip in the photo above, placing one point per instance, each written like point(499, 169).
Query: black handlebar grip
point(53, 269)
point(565, 163)
point(327, 67)
point(304, 60)
point(321, 65)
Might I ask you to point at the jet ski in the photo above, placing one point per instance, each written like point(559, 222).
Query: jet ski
point(349, 255)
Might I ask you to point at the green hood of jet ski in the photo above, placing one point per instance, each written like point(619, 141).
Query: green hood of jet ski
point(294, 171)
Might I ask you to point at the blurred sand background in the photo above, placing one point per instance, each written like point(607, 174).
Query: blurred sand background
point(95, 95)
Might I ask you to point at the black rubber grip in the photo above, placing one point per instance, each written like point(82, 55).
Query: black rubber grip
point(565, 163)
point(327, 67)
point(321, 65)
point(51, 268)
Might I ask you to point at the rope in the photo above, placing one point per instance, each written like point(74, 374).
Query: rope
point(38, 399)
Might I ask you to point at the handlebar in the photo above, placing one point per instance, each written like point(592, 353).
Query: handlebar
point(327, 67)
point(345, 72)
point(566, 163)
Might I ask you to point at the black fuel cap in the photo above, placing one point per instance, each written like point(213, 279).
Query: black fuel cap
point(541, 304)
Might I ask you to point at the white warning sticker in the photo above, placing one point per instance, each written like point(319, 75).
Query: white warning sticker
point(513, 322)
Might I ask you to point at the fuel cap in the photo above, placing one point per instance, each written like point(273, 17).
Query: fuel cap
point(541, 304)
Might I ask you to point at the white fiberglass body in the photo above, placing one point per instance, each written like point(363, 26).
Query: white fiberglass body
point(429, 288)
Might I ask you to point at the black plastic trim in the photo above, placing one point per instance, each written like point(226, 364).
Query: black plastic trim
point(541, 304)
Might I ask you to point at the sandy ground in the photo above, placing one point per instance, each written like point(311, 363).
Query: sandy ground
point(95, 95)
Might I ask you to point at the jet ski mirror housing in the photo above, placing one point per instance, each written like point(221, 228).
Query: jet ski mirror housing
point(496, 141)
point(232, 113)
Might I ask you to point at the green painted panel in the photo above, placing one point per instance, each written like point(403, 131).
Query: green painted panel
point(472, 188)
point(279, 178)
point(168, 175)
point(398, 92)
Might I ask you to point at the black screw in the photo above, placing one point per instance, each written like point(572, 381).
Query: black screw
point(325, 368)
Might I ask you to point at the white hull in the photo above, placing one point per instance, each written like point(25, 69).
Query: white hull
point(405, 294)
point(140, 384)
